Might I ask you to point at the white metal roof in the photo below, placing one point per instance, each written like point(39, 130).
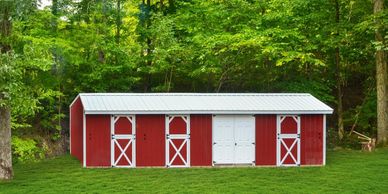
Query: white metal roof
point(202, 103)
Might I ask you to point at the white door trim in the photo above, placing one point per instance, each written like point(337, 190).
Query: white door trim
point(131, 141)
point(280, 143)
point(169, 142)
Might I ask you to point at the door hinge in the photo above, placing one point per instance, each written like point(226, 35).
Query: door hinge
point(235, 144)
point(214, 143)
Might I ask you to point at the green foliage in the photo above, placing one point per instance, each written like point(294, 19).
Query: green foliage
point(26, 150)
point(185, 46)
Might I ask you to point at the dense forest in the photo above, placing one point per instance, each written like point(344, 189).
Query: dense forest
point(329, 48)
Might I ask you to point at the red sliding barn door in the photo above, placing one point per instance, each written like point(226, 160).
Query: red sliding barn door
point(312, 144)
point(201, 140)
point(150, 141)
point(266, 140)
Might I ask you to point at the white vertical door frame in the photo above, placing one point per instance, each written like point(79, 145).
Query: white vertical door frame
point(167, 128)
point(131, 141)
point(213, 139)
point(254, 140)
point(188, 140)
point(134, 140)
point(278, 155)
point(112, 143)
point(184, 137)
point(324, 140)
point(298, 143)
point(279, 140)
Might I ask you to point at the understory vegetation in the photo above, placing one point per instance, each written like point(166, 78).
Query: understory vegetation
point(50, 54)
point(347, 171)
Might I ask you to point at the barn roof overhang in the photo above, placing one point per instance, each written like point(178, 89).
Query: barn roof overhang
point(202, 103)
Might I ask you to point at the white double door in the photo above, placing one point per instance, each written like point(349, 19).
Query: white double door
point(233, 139)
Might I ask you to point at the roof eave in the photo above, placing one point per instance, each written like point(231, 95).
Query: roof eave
point(94, 112)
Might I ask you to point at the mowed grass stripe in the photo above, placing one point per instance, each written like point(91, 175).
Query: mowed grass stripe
point(347, 171)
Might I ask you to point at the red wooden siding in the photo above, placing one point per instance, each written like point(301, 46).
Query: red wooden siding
point(311, 139)
point(289, 126)
point(98, 140)
point(265, 140)
point(178, 126)
point(178, 160)
point(150, 140)
point(76, 126)
point(123, 126)
point(201, 140)
point(128, 152)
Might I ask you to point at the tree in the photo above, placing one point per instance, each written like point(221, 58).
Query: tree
point(339, 76)
point(6, 171)
point(22, 60)
point(381, 78)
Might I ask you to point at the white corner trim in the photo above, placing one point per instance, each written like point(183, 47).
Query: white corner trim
point(75, 99)
point(84, 140)
point(70, 128)
point(324, 140)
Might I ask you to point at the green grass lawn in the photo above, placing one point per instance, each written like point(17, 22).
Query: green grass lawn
point(346, 172)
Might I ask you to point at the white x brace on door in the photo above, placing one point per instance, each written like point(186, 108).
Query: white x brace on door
point(178, 141)
point(123, 150)
point(288, 140)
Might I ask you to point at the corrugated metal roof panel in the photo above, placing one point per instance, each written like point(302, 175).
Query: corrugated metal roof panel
point(202, 103)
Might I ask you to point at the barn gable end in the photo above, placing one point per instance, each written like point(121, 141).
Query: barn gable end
point(76, 129)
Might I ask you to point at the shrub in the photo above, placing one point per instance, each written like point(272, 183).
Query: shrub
point(26, 149)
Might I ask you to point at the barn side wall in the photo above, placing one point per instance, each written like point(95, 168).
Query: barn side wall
point(76, 129)
point(201, 140)
point(98, 141)
point(265, 140)
point(150, 140)
point(312, 139)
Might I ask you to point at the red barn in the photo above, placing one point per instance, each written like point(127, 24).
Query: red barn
point(197, 129)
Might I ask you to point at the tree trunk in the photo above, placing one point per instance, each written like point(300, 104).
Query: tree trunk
point(338, 77)
point(6, 171)
point(148, 62)
point(381, 81)
point(118, 22)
